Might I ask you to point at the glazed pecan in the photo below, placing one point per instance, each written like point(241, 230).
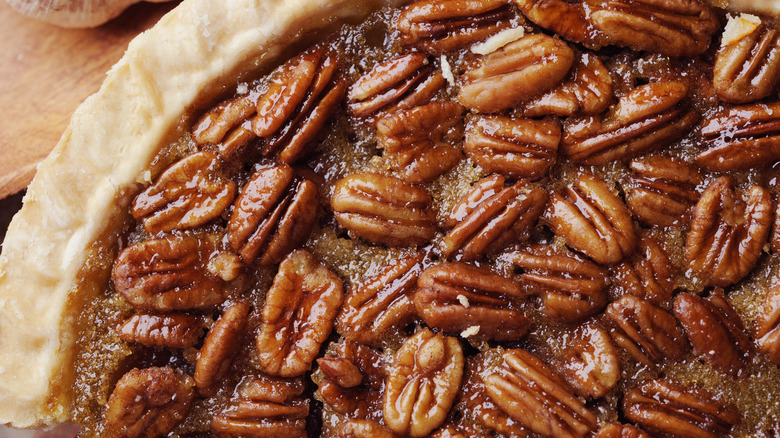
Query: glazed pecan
point(748, 69)
point(148, 402)
point(267, 407)
point(513, 147)
point(670, 27)
point(617, 430)
point(422, 383)
point(384, 209)
point(437, 26)
point(190, 193)
point(297, 104)
point(220, 346)
point(590, 362)
point(273, 215)
point(517, 72)
point(423, 142)
point(586, 90)
point(528, 390)
point(170, 331)
point(741, 137)
point(491, 216)
point(714, 330)
point(382, 302)
point(646, 332)
point(572, 287)
point(363, 429)
point(298, 315)
point(592, 219)
point(728, 234)
point(224, 125)
point(402, 82)
point(648, 274)
point(768, 326)
point(649, 117)
point(354, 380)
point(668, 408)
point(454, 297)
point(662, 190)
point(169, 274)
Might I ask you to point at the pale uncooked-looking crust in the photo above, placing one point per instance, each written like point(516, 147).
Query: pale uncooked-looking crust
point(81, 190)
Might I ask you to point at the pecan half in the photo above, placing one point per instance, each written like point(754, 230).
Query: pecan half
point(649, 117)
point(748, 69)
point(423, 142)
point(298, 103)
point(590, 362)
point(220, 346)
point(148, 402)
point(662, 190)
point(402, 82)
point(648, 274)
point(572, 287)
point(768, 326)
point(489, 225)
point(384, 209)
point(728, 234)
point(617, 430)
point(298, 315)
point(437, 26)
point(273, 215)
point(715, 330)
point(224, 125)
point(422, 383)
point(171, 330)
point(586, 90)
point(528, 390)
point(592, 219)
point(169, 274)
point(513, 147)
point(382, 302)
point(741, 137)
point(364, 429)
point(267, 407)
point(354, 380)
point(666, 407)
point(188, 194)
point(517, 72)
point(455, 296)
point(646, 332)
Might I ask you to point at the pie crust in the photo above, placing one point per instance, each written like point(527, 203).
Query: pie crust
point(49, 265)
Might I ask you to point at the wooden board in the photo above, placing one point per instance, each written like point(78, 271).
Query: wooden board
point(45, 72)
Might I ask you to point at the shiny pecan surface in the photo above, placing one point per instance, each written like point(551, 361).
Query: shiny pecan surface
point(590, 362)
point(354, 380)
point(648, 274)
point(715, 330)
point(667, 408)
point(226, 126)
point(190, 193)
point(423, 142)
point(363, 429)
point(617, 430)
point(728, 234)
point(572, 287)
point(649, 117)
point(513, 147)
point(491, 216)
point(517, 72)
point(170, 330)
point(148, 402)
point(741, 137)
point(662, 190)
point(768, 327)
point(273, 215)
point(298, 315)
point(267, 407)
point(530, 392)
point(400, 83)
point(219, 347)
point(440, 26)
point(592, 219)
point(454, 297)
point(748, 69)
point(422, 383)
point(384, 209)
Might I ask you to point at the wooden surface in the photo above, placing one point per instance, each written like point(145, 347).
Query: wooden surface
point(45, 72)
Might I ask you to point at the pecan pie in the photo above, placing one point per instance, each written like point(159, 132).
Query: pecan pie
point(440, 218)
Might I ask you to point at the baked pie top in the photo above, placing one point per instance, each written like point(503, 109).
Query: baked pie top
point(472, 226)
